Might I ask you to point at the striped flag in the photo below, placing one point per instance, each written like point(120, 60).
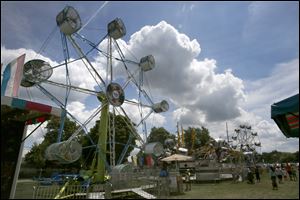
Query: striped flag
point(12, 76)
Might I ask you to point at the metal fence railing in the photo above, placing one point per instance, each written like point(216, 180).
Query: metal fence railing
point(146, 179)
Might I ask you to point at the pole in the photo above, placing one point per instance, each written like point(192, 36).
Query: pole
point(227, 133)
point(101, 159)
point(14, 185)
point(178, 137)
point(182, 137)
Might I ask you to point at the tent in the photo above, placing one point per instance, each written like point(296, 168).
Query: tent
point(176, 157)
point(286, 115)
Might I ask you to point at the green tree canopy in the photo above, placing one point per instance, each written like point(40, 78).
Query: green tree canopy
point(280, 157)
point(201, 138)
point(159, 135)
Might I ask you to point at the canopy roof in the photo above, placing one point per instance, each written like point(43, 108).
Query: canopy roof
point(286, 115)
point(177, 157)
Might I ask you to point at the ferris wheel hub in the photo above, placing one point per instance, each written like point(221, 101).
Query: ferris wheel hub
point(115, 94)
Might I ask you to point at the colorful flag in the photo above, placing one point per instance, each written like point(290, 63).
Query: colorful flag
point(12, 76)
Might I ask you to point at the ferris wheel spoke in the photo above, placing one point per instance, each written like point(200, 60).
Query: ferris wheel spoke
point(136, 103)
point(94, 114)
point(131, 126)
point(130, 78)
point(59, 103)
point(144, 119)
point(94, 46)
point(78, 89)
point(79, 51)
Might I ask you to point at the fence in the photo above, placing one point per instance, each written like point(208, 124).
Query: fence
point(120, 182)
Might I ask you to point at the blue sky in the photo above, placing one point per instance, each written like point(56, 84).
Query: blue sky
point(231, 52)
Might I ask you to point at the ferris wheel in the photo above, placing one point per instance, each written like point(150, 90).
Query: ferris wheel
point(247, 142)
point(114, 76)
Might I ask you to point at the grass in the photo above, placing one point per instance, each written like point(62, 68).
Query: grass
point(222, 190)
point(229, 190)
point(24, 190)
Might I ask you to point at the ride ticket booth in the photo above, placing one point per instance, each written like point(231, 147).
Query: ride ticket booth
point(16, 114)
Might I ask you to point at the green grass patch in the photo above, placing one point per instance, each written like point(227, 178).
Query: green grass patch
point(222, 190)
point(229, 190)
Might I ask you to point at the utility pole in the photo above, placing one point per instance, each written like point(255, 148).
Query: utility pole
point(178, 137)
point(227, 133)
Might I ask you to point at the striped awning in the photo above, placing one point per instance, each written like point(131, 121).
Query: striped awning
point(30, 105)
point(286, 115)
point(293, 120)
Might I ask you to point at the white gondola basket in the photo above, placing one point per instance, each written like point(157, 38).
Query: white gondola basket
point(68, 20)
point(64, 152)
point(36, 71)
point(147, 63)
point(163, 106)
point(155, 148)
point(116, 29)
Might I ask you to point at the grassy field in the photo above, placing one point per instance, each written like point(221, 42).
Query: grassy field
point(222, 190)
point(229, 190)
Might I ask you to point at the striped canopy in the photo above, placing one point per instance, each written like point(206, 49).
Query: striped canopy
point(37, 110)
point(286, 115)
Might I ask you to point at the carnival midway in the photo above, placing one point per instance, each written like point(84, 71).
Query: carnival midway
point(158, 170)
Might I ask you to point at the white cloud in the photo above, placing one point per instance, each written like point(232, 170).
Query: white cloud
point(186, 81)
point(192, 7)
point(256, 109)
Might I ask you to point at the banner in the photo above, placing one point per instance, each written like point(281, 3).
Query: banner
point(12, 76)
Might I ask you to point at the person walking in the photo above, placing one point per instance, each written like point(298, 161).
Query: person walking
point(188, 184)
point(273, 178)
point(288, 168)
point(257, 175)
point(250, 176)
point(279, 174)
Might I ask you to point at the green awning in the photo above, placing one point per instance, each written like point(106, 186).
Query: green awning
point(286, 115)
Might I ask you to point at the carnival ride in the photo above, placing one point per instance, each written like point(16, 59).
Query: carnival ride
point(121, 74)
point(246, 141)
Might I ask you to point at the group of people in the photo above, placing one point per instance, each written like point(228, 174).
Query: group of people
point(280, 173)
point(250, 175)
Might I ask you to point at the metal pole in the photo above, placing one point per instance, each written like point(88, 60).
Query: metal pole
point(99, 177)
point(14, 185)
point(227, 133)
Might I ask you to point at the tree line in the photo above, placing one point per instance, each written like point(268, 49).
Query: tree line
point(194, 139)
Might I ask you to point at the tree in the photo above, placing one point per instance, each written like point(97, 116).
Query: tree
point(159, 135)
point(35, 157)
point(280, 157)
point(201, 138)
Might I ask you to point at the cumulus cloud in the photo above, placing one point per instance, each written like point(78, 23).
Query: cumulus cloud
point(184, 80)
point(281, 83)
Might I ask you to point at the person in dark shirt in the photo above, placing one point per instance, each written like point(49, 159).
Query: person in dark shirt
point(257, 175)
